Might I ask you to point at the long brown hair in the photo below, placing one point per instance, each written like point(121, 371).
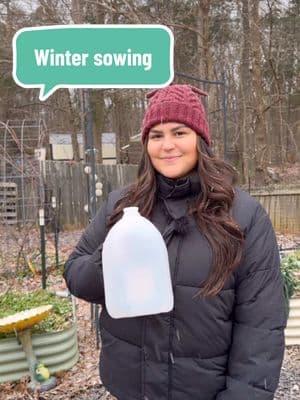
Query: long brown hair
point(211, 210)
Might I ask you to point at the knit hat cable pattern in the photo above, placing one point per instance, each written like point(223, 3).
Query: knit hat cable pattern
point(176, 103)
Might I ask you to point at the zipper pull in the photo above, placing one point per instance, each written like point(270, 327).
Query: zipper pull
point(172, 358)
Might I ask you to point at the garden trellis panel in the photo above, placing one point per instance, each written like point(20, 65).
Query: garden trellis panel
point(20, 168)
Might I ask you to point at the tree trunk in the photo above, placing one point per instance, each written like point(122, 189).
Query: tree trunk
point(71, 112)
point(76, 11)
point(205, 69)
point(98, 126)
point(244, 96)
point(203, 40)
point(262, 151)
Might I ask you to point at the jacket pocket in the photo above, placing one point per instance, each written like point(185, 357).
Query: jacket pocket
point(120, 366)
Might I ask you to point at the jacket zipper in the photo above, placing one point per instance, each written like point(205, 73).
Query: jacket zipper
point(171, 360)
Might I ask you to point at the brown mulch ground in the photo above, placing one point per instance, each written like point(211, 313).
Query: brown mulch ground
point(82, 381)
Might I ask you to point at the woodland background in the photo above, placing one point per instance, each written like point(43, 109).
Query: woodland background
point(253, 45)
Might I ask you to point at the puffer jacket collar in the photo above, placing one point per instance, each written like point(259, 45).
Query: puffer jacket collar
point(187, 186)
point(174, 194)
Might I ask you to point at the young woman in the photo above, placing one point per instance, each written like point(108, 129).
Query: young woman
point(224, 339)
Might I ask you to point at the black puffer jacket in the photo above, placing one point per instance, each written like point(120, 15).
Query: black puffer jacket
point(227, 347)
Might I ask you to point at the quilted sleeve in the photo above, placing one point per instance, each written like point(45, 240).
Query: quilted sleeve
point(260, 316)
point(83, 269)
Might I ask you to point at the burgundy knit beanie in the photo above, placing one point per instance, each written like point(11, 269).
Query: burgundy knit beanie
point(176, 103)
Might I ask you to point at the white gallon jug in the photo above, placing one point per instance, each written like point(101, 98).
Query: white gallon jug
point(136, 268)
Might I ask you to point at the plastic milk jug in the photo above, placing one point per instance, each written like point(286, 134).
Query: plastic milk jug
point(136, 268)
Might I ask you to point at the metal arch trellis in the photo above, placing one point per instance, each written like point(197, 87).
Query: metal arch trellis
point(21, 179)
point(18, 139)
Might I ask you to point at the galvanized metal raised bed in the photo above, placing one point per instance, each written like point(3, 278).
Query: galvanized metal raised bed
point(292, 332)
point(57, 350)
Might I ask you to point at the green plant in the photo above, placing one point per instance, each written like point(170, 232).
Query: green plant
point(60, 316)
point(289, 265)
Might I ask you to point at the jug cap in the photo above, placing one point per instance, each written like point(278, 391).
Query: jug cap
point(131, 210)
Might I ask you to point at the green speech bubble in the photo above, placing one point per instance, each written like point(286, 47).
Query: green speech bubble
point(93, 56)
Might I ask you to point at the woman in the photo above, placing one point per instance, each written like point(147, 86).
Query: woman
point(224, 339)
